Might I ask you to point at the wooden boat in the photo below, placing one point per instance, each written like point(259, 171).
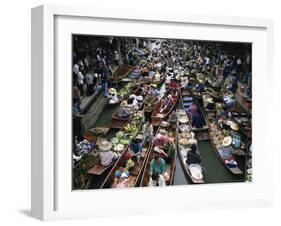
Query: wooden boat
point(216, 138)
point(183, 151)
point(187, 99)
point(121, 73)
point(99, 169)
point(170, 168)
point(157, 117)
point(134, 172)
point(118, 122)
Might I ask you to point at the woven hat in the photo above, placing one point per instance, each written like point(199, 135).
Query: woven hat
point(123, 103)
point(105, 145)
point(210, 100)
point(227, 141)
point(234, 126)
point(112, 91)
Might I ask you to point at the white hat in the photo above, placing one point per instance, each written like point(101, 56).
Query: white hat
point(112, 91)
point(123, 103)
point(124, 175)
point(139, 98)
point(227, 141)
point(105, 145)
point(157, 150)
point(234, 126)
point(133, 96)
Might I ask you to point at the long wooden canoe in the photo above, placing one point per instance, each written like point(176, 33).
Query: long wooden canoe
point(182, 154)
point(170, 168)
point(216, 141)
point(157, 117)
point(121, 72)
point(134, 173)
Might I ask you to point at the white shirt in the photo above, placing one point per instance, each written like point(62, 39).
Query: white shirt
point(76, 68)
point(80, 78)
point(106, 157)
point(161, 182)
point(239, 61)
point(113, 99)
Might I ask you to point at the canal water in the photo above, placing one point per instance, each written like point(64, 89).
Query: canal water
point(214, 169)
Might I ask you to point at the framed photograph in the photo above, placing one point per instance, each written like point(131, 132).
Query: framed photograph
point(148, 110)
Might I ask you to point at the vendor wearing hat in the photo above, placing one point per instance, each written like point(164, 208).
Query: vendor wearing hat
point(158, 165)
point(225, 150)
point(113, 99)
point(153, 91)
point(107, 156)
point(209, 103)
point(124, 111)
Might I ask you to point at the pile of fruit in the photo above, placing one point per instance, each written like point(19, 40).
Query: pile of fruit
point(121, 138)
point(138, 117)
point(131, 128)
point(125, 90)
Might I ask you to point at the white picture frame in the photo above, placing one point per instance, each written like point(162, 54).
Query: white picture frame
point(52, 197)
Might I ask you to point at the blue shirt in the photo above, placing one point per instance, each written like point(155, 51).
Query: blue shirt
point(157, 167)
point(135, 148)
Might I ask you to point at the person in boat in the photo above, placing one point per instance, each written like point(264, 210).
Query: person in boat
point(147, 130)
point(192, 156)
point(200, 87)
point(153, 91)
point(113, 99)
point(167, 104)
point(226, 152)
point(145, 71)
point(135, 148)
point(198, 120)
point(192, 110)
point(156, 77)
point(173, 84)
point(174, 94)
point(209, 103)
point(168, 78)
point(107, 156)
point(156, 180)
point(133, 101)
point(158, 165)
point(120, 176)
point(193, 162)
point(125, 110)
point(162, 140)
point(222, 113)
